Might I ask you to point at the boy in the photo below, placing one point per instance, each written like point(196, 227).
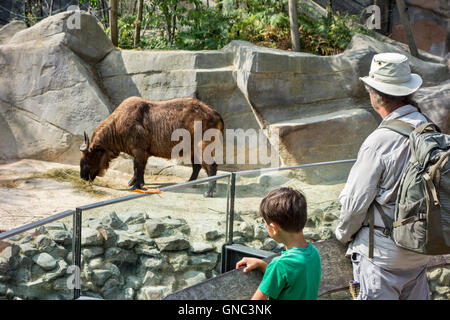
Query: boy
point(295, 274)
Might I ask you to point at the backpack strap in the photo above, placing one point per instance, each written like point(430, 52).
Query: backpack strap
point(398, 126)
point(370, 222)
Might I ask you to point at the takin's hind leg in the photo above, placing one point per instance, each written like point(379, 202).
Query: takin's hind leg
point(211, 170)
point(195, 171)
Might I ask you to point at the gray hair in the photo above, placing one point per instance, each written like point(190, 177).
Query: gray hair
point(391, 102)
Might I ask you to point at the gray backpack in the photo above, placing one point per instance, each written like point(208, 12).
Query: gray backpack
point(422, 209)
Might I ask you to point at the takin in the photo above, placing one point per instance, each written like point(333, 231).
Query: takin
point(143, 128)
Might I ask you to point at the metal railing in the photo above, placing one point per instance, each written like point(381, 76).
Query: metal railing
point(77, 214)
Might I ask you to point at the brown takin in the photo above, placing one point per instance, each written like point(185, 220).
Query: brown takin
point(143, 128)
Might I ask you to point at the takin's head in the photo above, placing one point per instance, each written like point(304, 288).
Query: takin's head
point(93, 161)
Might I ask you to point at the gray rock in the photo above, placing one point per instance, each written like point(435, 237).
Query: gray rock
point(27, 238)
point(92, 45)
point(111, 288)
point(192, 277)
point(269, 244)
point(91, 237)
point(172, 243)
point(146, 250)
point(154, 293)
point(151, 279)
point(28, 249)
point(125, 241)
point(45, 261)
point(133, 282)
point(152, 263)
point(261, 232)
point(61, 236)
point(109, 236)
point(129, 294)
point(115, 254)
point(2, 289)
point(9, 252)
point(272, 179)
point(112, 220)
point(100, 276)
point(325, 233)
point(434, 274)
point(130, 218)
point(211, 235)
point(442, 290)
point(92, 252)
point(4, 266)
point(9, 30)
point(96, 263)
point(201, 247)
point(115, 271)
point(154, 228)
point(444, 279)
point(204, 261)
point(178, 260)
point(311, 235)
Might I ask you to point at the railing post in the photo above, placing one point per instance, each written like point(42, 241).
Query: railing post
point(76, 251)
point(230, 213)
point(229, 219)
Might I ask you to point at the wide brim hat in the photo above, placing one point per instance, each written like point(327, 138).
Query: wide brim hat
point(390, 74)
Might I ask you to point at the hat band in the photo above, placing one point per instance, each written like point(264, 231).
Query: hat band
point(397, 79)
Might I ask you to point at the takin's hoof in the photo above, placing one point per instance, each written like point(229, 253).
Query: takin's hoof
point(209, 194)
point(140, 187)
point(132, 181)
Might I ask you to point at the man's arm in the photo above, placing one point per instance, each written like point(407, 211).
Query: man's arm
point(359, 193)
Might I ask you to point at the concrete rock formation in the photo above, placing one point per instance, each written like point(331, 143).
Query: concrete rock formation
point(64, 77)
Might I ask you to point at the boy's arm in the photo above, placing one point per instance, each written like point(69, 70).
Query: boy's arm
point(259, 295)
point(252, 263)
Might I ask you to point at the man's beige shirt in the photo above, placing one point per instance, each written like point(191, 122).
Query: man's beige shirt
point(376, 176)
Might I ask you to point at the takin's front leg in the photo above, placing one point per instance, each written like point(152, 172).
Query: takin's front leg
point(211, 170)
point(139, 163)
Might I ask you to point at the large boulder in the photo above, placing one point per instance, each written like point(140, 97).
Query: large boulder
point(50, 96)
point(77, 30)
point(10, 29)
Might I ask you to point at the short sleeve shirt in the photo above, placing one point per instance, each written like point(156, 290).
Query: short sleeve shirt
point(294, 275)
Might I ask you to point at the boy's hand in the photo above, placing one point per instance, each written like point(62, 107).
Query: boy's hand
point(251, 263)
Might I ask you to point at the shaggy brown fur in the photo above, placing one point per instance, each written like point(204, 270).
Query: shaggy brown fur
point(143, 128)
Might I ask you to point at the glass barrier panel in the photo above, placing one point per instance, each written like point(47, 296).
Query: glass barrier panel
point(321, 196)
point(148, 247)
point(35, 264)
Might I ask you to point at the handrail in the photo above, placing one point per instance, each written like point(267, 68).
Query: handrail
point(308, 165)
point(35, 224)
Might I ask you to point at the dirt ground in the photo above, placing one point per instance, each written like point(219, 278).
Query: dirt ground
point(26, 195)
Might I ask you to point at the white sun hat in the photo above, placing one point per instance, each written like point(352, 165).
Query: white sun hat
point(390, 74)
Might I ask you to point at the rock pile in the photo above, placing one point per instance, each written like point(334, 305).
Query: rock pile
point(134, 256)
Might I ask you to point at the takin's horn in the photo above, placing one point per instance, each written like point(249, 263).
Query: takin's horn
point(85, 146)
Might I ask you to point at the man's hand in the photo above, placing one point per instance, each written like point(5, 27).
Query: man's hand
point(252, 263)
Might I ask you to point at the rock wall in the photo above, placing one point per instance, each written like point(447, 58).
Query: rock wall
point(130, 255)
point(63, 80)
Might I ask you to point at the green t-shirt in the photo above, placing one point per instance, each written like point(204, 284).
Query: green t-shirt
point(294, 275)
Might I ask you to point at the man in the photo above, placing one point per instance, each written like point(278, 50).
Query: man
point(392, 273)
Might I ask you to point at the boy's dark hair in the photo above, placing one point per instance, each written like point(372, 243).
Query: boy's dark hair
point(286, 207)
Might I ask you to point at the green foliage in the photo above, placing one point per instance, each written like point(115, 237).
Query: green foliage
point(204, 28)
point(191, 25)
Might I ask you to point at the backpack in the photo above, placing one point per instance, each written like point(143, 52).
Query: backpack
point(422, 209)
